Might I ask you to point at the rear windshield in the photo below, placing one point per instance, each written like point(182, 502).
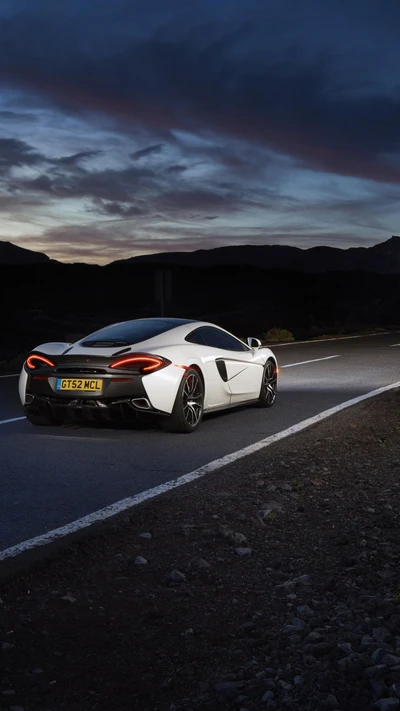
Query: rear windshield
point(130, 332)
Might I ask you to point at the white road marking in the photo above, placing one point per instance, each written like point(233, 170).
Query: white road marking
point(13, 375)
point(304, 362)
point(394, 345)
point(131, 501)
point(13, 419)
point(335, 338)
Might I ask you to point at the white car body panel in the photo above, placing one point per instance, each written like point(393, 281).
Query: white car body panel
point(161, 387)
point(244, 369)
point(245, 376)
point(23, 377)
point(52, 348)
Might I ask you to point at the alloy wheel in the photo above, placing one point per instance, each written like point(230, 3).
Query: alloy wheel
point(192, 399)
point(270, 382)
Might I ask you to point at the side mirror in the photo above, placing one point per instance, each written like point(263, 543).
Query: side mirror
point(253, 342)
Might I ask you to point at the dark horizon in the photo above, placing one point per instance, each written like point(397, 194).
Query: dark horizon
point(383, 257)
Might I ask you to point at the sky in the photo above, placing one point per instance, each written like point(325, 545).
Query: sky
point(132, 127)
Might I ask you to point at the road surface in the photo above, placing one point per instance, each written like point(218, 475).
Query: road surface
point(52, 476)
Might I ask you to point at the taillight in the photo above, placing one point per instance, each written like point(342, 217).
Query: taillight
point(35, 361)
point(141, 363)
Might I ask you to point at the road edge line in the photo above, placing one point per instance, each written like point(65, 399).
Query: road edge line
point(12, 419)
point(132, 501)
point(305, 362)
point(324, 340)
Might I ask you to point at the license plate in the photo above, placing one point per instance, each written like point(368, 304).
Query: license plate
point(81, 384)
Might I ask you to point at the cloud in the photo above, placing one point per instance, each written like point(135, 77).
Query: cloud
point(76, 158)
point(117, 209)
point(176, 169)
point(110, 185)
point(134, 190)
point(14, 116)
point(168, 129)
point(229, 78)
point(149, 151)
point(15, 153)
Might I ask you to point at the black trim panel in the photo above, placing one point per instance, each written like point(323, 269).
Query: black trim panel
point(221, 367)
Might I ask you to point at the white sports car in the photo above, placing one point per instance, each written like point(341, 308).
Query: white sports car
point(175, 368)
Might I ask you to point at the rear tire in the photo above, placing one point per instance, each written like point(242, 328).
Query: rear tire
point(42, 420)
point(187, 412)
point(269, 385)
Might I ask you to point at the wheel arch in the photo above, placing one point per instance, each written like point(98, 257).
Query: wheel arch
point(196, 367)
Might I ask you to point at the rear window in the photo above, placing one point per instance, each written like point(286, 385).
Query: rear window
point(130, 332)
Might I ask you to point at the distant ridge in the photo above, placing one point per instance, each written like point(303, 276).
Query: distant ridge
point(12, 254)
point(382, 258)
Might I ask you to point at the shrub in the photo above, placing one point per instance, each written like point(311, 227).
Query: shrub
point(277, 335)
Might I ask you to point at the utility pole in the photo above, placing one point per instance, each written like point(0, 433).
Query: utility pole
point(163, 288)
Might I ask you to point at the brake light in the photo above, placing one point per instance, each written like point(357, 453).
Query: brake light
point(37, 361)
point(142, 363)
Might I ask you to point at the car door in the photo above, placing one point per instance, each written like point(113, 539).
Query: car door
point(239, 366)
point(217, 391)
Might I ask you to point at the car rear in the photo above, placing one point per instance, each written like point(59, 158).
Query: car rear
point(90, 386)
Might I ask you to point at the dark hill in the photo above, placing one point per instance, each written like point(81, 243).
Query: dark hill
point(12, 254)
point(382, 258)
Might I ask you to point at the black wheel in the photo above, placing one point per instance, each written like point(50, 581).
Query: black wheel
point(188, 408)
point(42, 420)
point(269, 385)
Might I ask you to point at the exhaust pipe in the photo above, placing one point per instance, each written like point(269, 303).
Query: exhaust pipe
point(141, 403)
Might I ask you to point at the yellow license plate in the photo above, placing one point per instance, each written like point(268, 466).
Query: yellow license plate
point(80, 384)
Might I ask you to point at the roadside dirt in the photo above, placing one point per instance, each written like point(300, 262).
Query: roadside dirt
point(271, 584)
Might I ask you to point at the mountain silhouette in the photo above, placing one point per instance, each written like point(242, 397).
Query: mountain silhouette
point(382, 258)
point(12, 254)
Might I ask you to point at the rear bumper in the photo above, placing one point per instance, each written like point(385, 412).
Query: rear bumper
point(121, 409)
point(118, 401)
point(122, 393)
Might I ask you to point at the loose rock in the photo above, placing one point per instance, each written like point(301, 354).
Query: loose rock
point(243, 552)
point(139, 560)
point(390, 704)
point(68, 598)
point(202, 564)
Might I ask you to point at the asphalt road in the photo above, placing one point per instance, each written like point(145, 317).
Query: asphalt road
point(52, 476)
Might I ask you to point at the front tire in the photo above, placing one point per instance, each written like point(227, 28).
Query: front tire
point(269, 385)
point(188, 408)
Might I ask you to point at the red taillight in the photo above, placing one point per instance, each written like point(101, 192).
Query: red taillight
point(142, 363)
point(36, 361)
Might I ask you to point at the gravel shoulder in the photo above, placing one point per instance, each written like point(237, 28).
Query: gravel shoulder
point(271, 584)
